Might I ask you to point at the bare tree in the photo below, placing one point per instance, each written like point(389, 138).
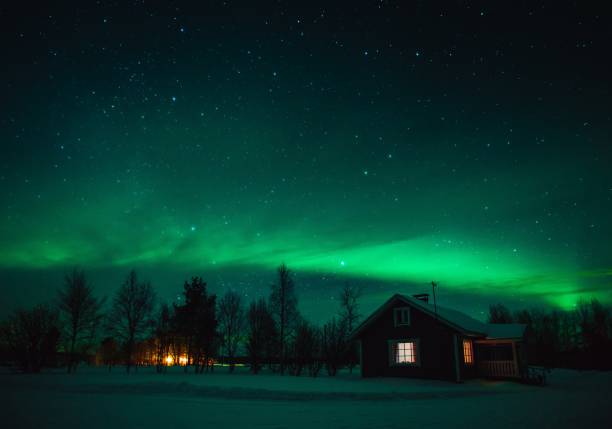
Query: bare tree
point(261, 335)
point(163, 335)
point(349, 305)
point(568, 330)
point(349, 316)
point(108, 352)
point(80, 313)
point(594, 322)
point(306, 350)
point(32, 337)
point(333, 345)
point(231, 322)
point(499, 313)
point(283, 303)
point(130, 318)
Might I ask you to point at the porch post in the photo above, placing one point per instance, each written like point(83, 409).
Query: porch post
point(514, 359)
point(456, 356)
point(360, 357)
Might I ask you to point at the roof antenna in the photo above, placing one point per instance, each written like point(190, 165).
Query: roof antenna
point(433, 288)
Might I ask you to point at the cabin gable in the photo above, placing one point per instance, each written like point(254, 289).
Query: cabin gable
point(403, 340)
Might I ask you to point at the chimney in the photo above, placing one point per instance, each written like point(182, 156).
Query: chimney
point(422, 297)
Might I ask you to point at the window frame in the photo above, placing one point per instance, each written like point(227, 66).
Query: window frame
point(470, 345)
point(417, 352)
point(397, 316)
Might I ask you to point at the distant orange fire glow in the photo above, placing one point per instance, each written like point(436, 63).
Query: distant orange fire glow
point(170, 361)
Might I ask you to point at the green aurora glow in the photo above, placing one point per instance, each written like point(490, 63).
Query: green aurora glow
point(209, 151)
point(458, 262)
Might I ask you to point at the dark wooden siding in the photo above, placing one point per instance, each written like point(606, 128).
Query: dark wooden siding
point(435, 340)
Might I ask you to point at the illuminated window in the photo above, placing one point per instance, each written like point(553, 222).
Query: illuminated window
point(401, 316)
point(468, 352)
point(403, 352)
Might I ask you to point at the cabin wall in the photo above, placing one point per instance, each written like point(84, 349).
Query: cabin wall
point(435, 341)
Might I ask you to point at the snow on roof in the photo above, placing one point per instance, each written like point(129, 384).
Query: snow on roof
point(455, 319)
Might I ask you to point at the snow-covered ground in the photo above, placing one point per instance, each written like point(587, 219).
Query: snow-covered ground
point(94, 398)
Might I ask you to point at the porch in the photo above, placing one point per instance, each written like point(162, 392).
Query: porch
point(497, 359)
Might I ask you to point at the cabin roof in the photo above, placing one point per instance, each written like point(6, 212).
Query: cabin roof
point(452, 318)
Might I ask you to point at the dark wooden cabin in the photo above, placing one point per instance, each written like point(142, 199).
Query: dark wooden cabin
point(409, 337)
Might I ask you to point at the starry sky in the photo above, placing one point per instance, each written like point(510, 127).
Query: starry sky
point(385, 143)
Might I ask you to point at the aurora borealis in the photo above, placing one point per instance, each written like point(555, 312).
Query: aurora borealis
point(383, 142)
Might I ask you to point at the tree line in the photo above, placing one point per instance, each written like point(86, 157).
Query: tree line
point(580, 338)
point(133, 329)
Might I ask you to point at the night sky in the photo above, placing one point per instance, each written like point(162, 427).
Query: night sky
point(388, 143)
